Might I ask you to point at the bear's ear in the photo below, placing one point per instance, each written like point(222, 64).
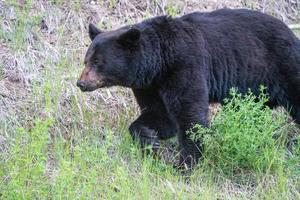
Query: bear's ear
point(130, 37)
point(93, 31)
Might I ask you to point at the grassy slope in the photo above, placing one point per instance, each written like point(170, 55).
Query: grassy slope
point(56, 142)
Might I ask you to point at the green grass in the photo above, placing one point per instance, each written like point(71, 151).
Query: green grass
point(241, 150)
point(58, 143)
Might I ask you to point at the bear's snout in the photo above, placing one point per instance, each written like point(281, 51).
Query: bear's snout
point(89, 86)
point(81, 85)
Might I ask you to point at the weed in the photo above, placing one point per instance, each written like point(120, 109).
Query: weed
point(245, 135)
point(171, 10)
point(247, 143)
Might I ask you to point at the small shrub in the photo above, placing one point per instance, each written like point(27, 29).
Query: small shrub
point(245, 134)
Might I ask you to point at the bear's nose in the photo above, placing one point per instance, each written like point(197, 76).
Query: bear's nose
point(81, 85)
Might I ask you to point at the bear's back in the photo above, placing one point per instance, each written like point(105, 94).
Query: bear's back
point(233, 21)
point(243, 42)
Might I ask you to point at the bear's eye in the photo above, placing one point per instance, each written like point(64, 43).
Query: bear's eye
point(96, 63)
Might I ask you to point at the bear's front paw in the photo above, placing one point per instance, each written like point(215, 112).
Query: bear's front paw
point(185, 163)
point(148, 139)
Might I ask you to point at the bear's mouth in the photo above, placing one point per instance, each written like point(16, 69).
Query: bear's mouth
point(91, 86)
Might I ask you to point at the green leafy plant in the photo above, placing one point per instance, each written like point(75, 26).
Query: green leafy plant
point(171, 10)
point(245, 135)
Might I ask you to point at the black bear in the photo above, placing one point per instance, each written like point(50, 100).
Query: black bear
point(177, 66)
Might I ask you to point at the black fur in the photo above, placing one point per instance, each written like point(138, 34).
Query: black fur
point(177, 66)
point(93, 31)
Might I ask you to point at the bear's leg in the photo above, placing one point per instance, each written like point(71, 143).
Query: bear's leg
point(145, 135)
point(295, 113)
point(150, 127)
point(154, 122)
point(189, 108)
point(292, 108)
point(290, 70)
point(191, 114)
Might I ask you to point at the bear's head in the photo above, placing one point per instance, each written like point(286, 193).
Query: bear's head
point(111, 59)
